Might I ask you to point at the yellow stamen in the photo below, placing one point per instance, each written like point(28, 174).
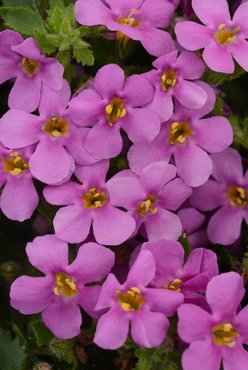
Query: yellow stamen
point(115, 110)
point(174, 285)
point(179, 132)
point(56, 127)
point(129, 21)
point(15, 165)
point(237, 196)
point(224, 334)
point(65, 286)
point(94, 198)
point(168, 79)
point(147, 206)
point(132, 300)
point(225, 36)
point(30, 66)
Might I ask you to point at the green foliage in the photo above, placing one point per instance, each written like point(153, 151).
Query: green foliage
point(63, 350)
point(186, 246)
point(60, 34)
point(22, 19)
point(216, 79)
point(163, 357)
point(42, 335)
point(240, 131)
point(12, 354)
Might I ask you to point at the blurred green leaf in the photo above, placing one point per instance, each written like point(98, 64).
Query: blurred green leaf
point(240, 130)
point(12, 354)
point(83, 56)
point(42, 334)
point(63, 350)
point(23, 20)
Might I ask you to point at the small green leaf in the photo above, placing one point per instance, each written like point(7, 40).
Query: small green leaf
point(12, 354)
point(18, 3)
point(23, 20)
point(47, 45)
point(218, 108)
point(83, 56)
point(56, 18)
point(63, 350)
point(186, 246)
point(42, 334)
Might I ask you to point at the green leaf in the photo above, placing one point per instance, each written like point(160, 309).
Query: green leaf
point(240, 131)
point(18, 3)
point(63, 350)
point(84, 56)
point(56, 18)
point(218, 108)
point(12, 355)
point(47, 45)
point(42, 334)
point(186, 246)
point(23, 20)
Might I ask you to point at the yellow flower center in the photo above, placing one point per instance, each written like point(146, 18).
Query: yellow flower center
point(179, 132)
point(237, 196)
point(115, 110)
point(131, 300)
point(224, 334)
point(147, 206)
point(15, 165)
point(225, 36)
point(56, 127)
point(30, 66)
point(65, 286)
point(94, 198)
point(168, 79)
point(128, 21)
point(174, 285)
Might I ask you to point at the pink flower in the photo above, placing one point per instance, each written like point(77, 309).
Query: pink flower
point(22, 59)
point(151, 198)
point(19, 197)
point(134, 19)
point(226, 193)
point(86, 204)
point(59, 140)
point(63, 290)
point(193, 225)
point(173, 273)
point(222, 38)
point(188, 138)
point(172, 78)
point(217, 336)
point(134, 303)
point(112, 103)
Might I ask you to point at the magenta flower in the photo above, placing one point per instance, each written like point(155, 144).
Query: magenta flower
point(60, 141)
point(188, 137)
point(22, 59)
point(135, 19)
point(222, 38)
point(227, 193)
point(89, 203)
point(190, 278)
point(19, 197)
point(135, 303)
point(170, 79)
point(111, 104)
point(218, 335)
point(150, 198)
point(63, 290)
point(192, 223)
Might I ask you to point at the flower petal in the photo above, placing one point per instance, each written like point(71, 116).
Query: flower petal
point(137, 91)
point(240, 53)
point(212, 13)
point(190, 94)
point(190, 65)
point(91, 13)
point(142, 271)
point(25, 94)
point(240, 18)
point(236, 360)
point(163, 300)
point(212, 191)
point(31, 294)
point(192, 36)
point(227, 167)
point(112, 226)
point(63, 195)
point(155, 176)
point(218, 58)
point(48, 254)
point(163, 225)
point(112, 329)
point(174, 194)
point(103, 82)
point(202, 355)
point(148, 329)
point(157, 42)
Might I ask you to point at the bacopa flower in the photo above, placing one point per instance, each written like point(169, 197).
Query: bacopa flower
point(193, 225)
point(217, 336)
point(135, 303)
point(171, 79)
point(190, 277)
point(63, 290)
point(150, 198)
point(60, 141)
point(19, 197)
point(89, 203)
point(110, 104)
point(188, 137)
point(222, 38)
point(135, 19)
point(22, 59)
point(227, 193)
